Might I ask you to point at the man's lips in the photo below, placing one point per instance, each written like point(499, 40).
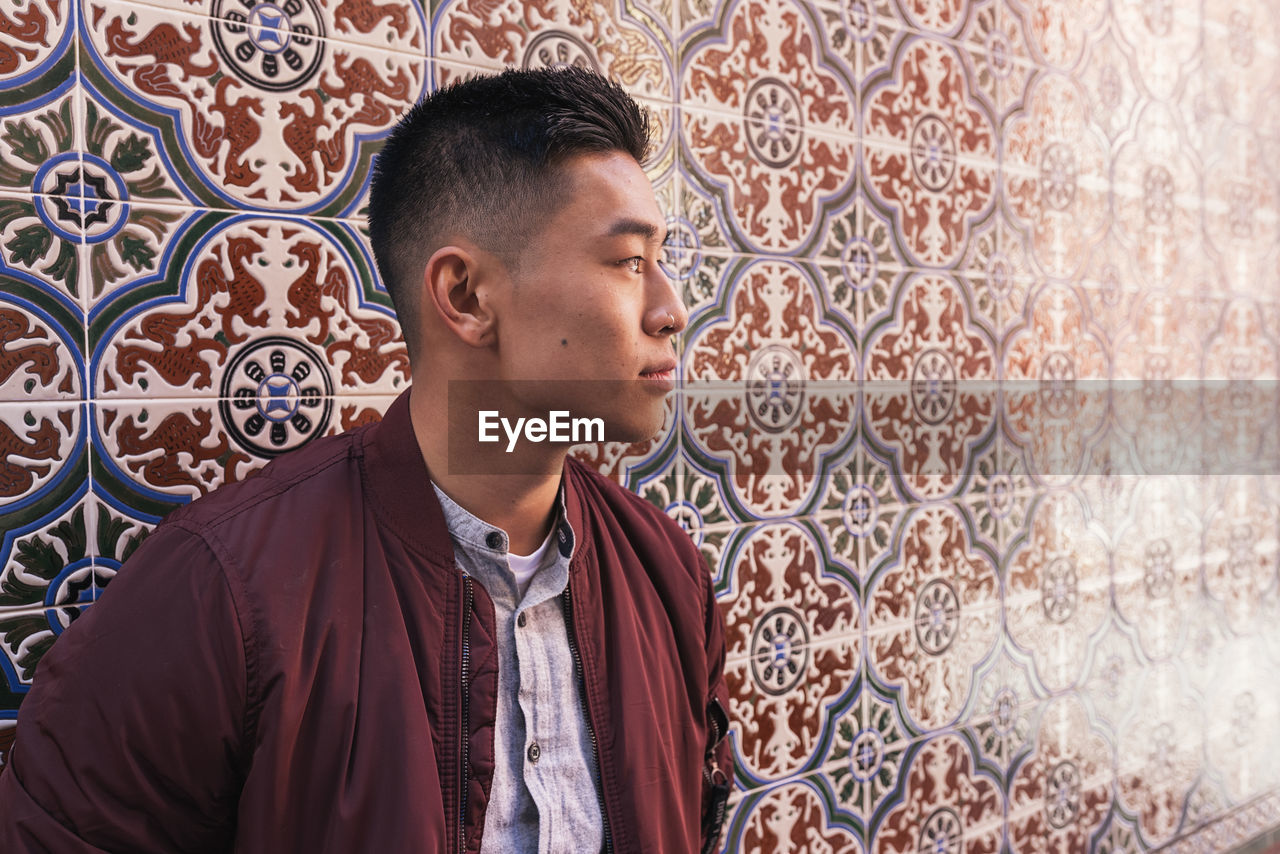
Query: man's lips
point(665, 371)
point(664, 374)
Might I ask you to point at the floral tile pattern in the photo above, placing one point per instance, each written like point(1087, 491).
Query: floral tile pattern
point(977, 422)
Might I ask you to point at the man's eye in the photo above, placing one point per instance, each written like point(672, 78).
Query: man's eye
point(633, 264)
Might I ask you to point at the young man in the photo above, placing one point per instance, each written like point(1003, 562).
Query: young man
point(369, 646)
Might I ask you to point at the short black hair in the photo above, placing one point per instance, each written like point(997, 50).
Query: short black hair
point(480, 158)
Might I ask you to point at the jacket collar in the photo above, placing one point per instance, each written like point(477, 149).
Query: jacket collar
point(399, 486)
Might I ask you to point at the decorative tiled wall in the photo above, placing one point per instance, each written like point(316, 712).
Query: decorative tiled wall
point(978, 431)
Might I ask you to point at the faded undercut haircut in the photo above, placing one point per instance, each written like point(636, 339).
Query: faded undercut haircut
point(481, 158)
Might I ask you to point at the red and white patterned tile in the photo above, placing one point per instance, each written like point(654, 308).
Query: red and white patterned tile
point(768, 372)
point(1240, 742)
point(1111, 686)
point(859, 511)
point(1004, 710)
point(1242, 57)
point(1061, 795)
point(771, 187)
point(627, 41)
point(766, 65)
point(1058, 30)
point(1157, 566)
point(997, 272)
point(38, 35)
point(929, 378)
point(792, 817)
point(1055, 175)
point(997, 56)
point(1057, 591)
point(793, 646)
point(1164, 37)
point(867, 754)
point(1241, 212)
point(1240, 552)
point(1055, 400)
point(1156, 196)
point(933, 616)
point(947, 804)
point(929, 152)
point(1159, 754)
point(1109, 75)
point(1241, 404)
point(866, 267)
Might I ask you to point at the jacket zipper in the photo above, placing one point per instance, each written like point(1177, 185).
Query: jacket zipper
point(464, 767)
point(567, 600)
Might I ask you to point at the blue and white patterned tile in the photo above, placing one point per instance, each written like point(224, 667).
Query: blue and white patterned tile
point(243, 128)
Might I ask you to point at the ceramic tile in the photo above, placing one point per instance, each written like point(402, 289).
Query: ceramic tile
point(794, 816)
point(1156, 196)
point(1240, 45)
point(997, 58)
point(929, 380)
point(256, 297)
point(1164, 38)
point(47, 32)
point(1055, 398)
point(1240, 211)
point(926, 107)
point(945, 801)
point(767, 189)
point(934, 200)
point(1109, 75)
point(766, 66)
point(780, 699)
point(1004, 712)
point(933, 616)
point(869, 748)
point(859, 512)
point(1055, 175)
point(627, 41)
point(255, 125)
point(1061, 795)
point(1057, 591)
point(1159, 754)
point(637, 462)
point(862, 265)
point(998, 271)
point(1057, 30)
point(792, 644)
point(768, 373)
point(41, 228)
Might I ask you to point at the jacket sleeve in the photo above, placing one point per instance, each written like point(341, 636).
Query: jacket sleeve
point(130, 737)
point(717, 776)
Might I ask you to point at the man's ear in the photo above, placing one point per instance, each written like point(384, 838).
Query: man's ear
point(452, 280)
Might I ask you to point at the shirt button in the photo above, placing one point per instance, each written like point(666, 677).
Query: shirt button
point(494, 540)
point(521, 620)
point(534, 753)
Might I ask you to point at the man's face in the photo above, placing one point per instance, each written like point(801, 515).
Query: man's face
point(589, 302)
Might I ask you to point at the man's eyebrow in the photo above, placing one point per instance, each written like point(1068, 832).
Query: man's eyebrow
point(647, 230)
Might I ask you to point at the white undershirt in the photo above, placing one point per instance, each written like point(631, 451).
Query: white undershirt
point(523, 567)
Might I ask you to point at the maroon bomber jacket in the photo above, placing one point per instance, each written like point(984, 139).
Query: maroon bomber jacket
point(280, 668)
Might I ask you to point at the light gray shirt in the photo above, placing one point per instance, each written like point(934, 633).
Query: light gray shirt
point(545, 780)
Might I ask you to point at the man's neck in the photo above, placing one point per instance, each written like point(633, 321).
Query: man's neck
point(520, 500)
